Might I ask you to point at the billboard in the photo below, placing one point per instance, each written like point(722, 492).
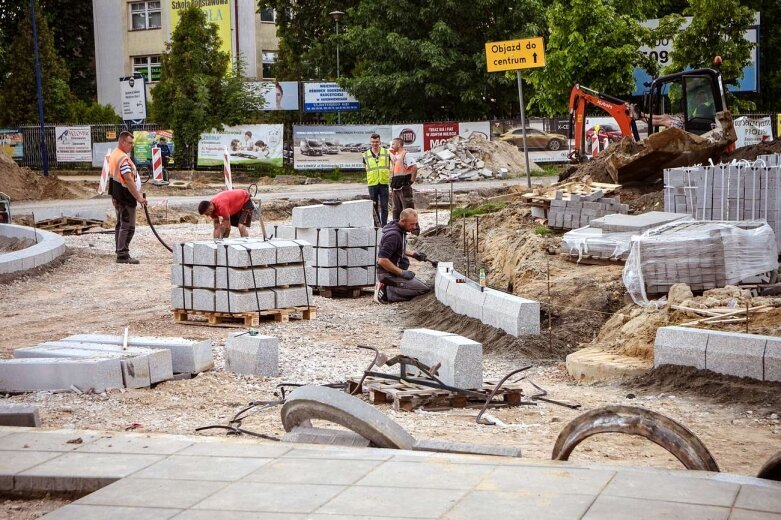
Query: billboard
point(420, 138)
point(216, 11)
point(328, 147)
point(144, 140)
point(246, 144)
point(753, 130)
point(133, 98)
point(73, 143)
point(328, 97)
point(278, 95)
point(12, 143)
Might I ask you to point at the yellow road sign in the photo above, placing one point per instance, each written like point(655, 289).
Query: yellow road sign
point(528, 53)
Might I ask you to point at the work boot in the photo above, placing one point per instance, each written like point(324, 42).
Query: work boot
point(380, 295)
point(127, 260)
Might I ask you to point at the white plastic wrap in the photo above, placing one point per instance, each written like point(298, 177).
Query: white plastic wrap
point(701, 254)
point(588, 241)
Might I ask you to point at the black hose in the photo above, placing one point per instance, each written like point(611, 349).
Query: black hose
point(149, 221)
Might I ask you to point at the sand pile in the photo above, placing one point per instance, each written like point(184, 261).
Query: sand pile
point(24, 184)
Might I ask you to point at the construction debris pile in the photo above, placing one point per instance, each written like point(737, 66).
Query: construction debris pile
point(344, 239)
point(702, 254)
point(241, 275)
point(575, 204)
point(95, 362)
point(472, 159)
point(735, 191)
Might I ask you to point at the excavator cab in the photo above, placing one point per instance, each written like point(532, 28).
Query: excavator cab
point(690, 97)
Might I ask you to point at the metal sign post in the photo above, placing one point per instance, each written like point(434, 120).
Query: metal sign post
point(523, 124)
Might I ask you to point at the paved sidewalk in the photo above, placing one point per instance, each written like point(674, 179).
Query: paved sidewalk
point(142, 476)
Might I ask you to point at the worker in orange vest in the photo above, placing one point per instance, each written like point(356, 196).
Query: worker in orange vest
point(404, 171)
point(125, 190)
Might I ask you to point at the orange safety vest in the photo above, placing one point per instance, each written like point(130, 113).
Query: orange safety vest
point(398, 164)
point(115, 161)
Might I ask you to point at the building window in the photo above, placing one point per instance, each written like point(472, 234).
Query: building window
point(145, 15)
point(269, 58)
point(267, 14)
point(147, 66)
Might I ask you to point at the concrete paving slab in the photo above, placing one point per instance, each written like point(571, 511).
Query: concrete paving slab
point(746, 514)
point(32, 375)
point(314, 471)
point(355, 213)
point(13, 462)
point(436, 475)
point(616, 508)
point(410, 502)
point(43, 440)
point(18, 414)
point(759, 499)
point(90, 512)
point(137, 444)
point(318, 452)
point(489, 505)
point(740, 355)
point(672, 489)
point(680, 346)
point(138, 492)
point(192, 467)
point(239, 515)
point(225, 448)
point(547, 479)
point(277, 498)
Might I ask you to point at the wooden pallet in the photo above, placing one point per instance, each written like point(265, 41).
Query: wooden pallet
point(340, 292)
point(243, 319)
point(545, 195)
point(593, 260)
point(408, 396)
point(68, 225)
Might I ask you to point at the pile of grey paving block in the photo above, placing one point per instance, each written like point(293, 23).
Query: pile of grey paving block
point(460, 358)
point(241, 275)
point(344, 239)
point(610, 237)
point(730, 353)
point(98, 362)
point(252, 354)
point(728, 192)
point(515, 315)
point(702, 254)
point(580, 210)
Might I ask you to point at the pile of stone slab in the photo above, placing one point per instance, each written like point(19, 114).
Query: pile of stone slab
point(609, 237)
point(730, 353)
point(515, 315)
point(241, 275)
point(97, 362)
point(728, 192)
point(344, 242)
point(580, 210)
point(457, 160)
point(460, 358)
point(702, 254)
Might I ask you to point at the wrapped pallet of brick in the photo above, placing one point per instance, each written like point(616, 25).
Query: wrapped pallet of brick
point(702, 254)
point(241, 275)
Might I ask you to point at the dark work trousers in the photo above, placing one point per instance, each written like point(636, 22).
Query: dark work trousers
point(404, 290)
point(379, 196)
point(402, 199)
point(125, 228)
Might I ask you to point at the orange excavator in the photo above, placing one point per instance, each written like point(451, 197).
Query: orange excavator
point(690, 99)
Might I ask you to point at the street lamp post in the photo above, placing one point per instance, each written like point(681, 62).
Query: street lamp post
point(39, 89)
point(337, 16)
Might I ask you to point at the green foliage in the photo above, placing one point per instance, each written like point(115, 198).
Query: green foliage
point(489, 207)
point(590, 43)
point(541, 230)
point(197, 91)
point(92, 113)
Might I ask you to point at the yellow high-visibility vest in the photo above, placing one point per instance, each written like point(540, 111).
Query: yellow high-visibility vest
point(377, 170)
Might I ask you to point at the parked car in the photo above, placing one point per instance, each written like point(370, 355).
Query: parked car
point(610, 132)
point(330, 147)
point(311, 147)
point(538, 140)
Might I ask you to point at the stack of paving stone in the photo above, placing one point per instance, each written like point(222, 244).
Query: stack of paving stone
point(96, 362)
point(609, 237)
point(515, 315)
point(242, 275)
point(728, 192)
point(344, 239)
point(580, 210)
point(702, 254)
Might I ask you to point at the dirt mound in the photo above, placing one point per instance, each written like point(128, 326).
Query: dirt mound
point(750, 153)
point(24, 184)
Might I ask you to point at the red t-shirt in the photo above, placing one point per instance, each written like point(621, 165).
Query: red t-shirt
point(229, 202)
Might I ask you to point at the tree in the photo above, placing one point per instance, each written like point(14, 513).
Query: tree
point(197, 91)
point(590, 43)
point(19, 102)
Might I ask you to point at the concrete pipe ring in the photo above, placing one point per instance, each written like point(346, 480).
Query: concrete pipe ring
point(771, 470)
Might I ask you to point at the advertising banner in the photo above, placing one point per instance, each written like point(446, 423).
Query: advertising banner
point(144, 140)
point(328, 97)
point(277, 95)
point(412, 136)
point(133, 97)
point(216, 11)
point(73, 143)
point(246, 144)
point(753, 130)
point(99, 152)
point(12, 143)
point(328, 147)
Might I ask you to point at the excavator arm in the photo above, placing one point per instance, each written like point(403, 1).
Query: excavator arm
point(579, 100)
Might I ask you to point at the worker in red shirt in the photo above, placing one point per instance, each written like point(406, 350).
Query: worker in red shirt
point(226, 209)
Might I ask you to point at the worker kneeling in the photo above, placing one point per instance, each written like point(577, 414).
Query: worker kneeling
point(229, 208)
point(396, 283)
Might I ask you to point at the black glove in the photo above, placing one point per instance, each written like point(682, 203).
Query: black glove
point(407, 275)
point(421, 257)
point(403, 263)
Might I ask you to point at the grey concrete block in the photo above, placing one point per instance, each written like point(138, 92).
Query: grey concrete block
point(257, 253)
point(292, 297)
point(21, 415)
point(293, 275)
point(245, 278)
point(181, 275)
point(740, 355)
point(252, 355)
point(772, 359)
point(515, 315)
point(204, 276)
point(355, 213)
point(204, 300)
point(242, 301)
point(682, 346)
point(59, 375)
point(460, 357)
point(189, 357)
point(343, 277)
point(181, 298)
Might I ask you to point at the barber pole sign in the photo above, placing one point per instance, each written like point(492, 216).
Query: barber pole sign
point(102, 187)
point(226, 169)
point(157, 165)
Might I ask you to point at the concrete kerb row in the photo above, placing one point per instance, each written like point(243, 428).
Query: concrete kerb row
point(730, 353)
point(48, 247)
point(515, 315)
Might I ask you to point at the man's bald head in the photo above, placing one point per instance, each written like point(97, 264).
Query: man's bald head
point(408, 220)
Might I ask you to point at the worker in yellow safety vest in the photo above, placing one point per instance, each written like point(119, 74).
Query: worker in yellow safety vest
point(376, 160)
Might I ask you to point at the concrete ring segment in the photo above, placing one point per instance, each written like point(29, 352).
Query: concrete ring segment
point(48, 246)
point(328, 404)
point(771, 470)
point(633, 420)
